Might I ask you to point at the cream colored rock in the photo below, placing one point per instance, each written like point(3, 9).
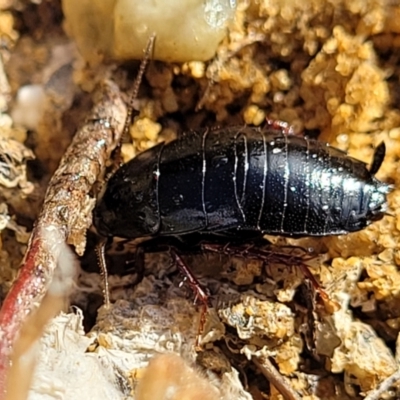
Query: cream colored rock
point(119, 29)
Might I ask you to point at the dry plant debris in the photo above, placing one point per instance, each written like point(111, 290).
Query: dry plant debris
point(64, 215)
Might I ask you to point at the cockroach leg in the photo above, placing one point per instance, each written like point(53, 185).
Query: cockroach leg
point(100, 252)
point(309, 275)
point(199, 292)
point(281, 126)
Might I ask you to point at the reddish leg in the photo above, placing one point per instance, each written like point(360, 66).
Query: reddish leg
point(199, 292)
point(281, 126)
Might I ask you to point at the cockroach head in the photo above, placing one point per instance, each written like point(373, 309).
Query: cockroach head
point(128, 206)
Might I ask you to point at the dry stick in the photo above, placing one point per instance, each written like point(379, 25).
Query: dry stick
point(275, 378)
point(384, 386)
point(26, 347)
point(67, 206)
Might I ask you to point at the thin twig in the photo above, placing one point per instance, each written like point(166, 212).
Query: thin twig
point(384, 386)
point(275, 378)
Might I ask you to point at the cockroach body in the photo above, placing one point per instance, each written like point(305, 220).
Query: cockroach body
point(239, 179)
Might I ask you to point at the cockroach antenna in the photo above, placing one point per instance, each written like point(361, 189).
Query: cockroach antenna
point(135, 90)
point(100, 248)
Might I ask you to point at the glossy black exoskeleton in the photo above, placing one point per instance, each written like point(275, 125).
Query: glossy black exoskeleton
point(241, 179)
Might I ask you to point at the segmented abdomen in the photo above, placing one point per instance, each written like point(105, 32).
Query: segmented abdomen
point(255, 179)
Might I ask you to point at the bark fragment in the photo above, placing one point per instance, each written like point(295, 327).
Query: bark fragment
point(66, 209)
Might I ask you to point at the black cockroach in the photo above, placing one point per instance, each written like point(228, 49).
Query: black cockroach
point(239, 179)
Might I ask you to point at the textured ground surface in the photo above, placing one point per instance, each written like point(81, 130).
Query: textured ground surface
point(329, 68)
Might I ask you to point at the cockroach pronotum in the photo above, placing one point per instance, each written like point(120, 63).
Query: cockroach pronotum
point(241, 179)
